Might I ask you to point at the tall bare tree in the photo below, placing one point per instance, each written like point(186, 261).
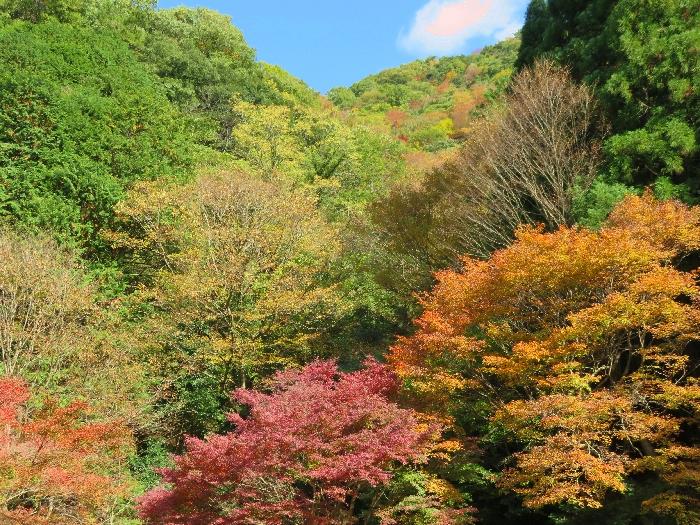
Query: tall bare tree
point(521, 164)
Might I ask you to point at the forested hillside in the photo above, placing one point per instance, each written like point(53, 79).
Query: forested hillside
point(462, 290)
point(430, 104)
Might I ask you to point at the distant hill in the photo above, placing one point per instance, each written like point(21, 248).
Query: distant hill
point(430, 103)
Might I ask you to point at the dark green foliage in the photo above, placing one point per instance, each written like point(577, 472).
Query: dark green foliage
point(205, 63)
point(80, 120)
point(536, 22)
point(593, 206)
point(571, 30)
point(644, 58)
point(202, 61)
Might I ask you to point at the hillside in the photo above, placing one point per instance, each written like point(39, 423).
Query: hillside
point(430, 104)
point(461, 291)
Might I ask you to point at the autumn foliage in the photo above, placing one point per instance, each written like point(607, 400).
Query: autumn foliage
point(56, 466)
point(396, 118)
point(43, 304)
point(203, 262)
point(307, 450)
point(583, 347)
point(239, 256)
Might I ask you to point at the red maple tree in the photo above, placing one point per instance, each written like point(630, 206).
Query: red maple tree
point(308, 450)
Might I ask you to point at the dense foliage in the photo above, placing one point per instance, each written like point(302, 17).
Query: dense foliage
point(430, 104)
point(57, 468)
point(308, 449)
point(578, 349)
point(642, 57)
point(81, 119)
point(179, 221)
point(238, 274)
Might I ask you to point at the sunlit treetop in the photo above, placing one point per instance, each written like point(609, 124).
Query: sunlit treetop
point(584, 347)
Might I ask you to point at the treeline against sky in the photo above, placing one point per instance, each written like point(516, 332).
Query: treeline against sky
point(463, 290)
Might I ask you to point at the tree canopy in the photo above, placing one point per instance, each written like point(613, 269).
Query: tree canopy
point(642, 58)
point(306, 451)
point(579, 349)
point(461, 290)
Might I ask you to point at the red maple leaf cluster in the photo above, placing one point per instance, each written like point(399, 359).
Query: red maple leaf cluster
point(307, 450)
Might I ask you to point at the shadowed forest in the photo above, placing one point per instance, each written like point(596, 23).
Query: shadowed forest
point(465, 290)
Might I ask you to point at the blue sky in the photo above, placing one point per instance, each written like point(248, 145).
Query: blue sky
point(331, 43)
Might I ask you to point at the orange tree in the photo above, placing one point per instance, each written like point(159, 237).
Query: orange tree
point(575, 356)
point(57, 465)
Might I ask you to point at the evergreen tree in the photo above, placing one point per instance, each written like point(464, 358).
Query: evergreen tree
point(642, 57)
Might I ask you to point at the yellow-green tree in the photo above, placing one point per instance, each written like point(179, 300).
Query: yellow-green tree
point(53, 333)
point(242, 263)
point(264, 137)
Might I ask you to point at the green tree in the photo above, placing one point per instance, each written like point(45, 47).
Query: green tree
point(36, 11)
point(204, 63)
point(642, 57)
point(80, 119)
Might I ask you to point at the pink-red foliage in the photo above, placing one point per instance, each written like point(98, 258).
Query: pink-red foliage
point(307, 449)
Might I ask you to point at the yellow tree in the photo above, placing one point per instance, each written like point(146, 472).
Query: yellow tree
point(240, 260)
point(54, 334)
point(582, 347)
point(305, 144)
point(264, 137)
point(43, 301)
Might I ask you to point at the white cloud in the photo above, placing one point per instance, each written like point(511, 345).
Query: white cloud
point(444, 26)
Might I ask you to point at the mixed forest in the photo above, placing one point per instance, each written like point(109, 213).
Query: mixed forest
point(465, 290)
